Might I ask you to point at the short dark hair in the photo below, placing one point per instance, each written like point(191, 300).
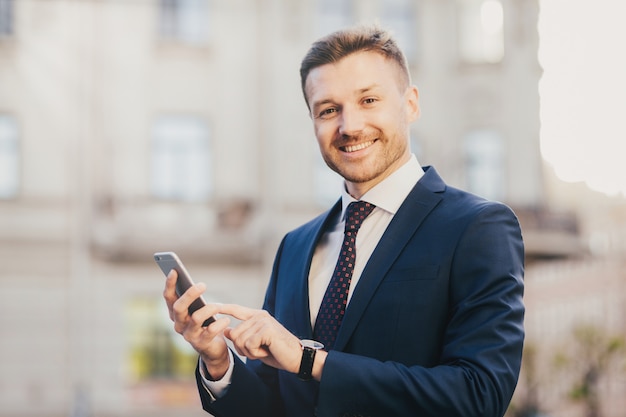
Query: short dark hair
point(342, 43)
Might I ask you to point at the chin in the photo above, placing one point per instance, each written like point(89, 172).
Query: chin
point(359, 177)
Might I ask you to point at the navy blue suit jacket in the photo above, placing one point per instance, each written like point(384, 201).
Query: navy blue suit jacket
point(434, 327)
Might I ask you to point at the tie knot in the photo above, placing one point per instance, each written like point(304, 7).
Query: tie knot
point(355, 214)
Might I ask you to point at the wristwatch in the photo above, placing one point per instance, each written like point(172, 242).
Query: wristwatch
point(309, 348)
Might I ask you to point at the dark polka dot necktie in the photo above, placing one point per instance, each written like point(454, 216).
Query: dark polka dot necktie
point(335, 299)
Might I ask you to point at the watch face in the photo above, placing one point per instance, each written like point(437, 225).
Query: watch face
point(313, 344)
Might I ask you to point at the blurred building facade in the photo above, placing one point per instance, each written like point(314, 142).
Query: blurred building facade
point(130, 127)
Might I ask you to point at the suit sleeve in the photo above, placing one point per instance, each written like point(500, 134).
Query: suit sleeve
point(480, 358)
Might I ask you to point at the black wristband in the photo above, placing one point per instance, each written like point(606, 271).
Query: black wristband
point(309, 348)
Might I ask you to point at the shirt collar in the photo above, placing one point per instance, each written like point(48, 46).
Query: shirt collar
point(391, 192)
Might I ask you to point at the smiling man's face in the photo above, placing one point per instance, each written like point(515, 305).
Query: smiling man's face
point(361, 110)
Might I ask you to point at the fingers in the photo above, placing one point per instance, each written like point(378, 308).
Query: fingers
point(208, 341)
point(262, 337)
point(180, 308)
point(250, 338)
point(253, 336)
point(237, 311)
point(194, 332)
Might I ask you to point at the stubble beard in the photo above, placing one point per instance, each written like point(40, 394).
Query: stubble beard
point(359, 173)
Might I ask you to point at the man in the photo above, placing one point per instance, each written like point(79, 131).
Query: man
point(432, 324)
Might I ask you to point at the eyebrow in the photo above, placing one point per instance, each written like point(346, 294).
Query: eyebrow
point(368, 88)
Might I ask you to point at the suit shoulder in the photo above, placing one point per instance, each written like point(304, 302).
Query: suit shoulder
point(472, 204)
point(461, 201)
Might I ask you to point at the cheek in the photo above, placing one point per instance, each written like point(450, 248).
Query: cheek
point(324, 133)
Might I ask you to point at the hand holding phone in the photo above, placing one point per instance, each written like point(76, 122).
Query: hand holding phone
point(168, 261)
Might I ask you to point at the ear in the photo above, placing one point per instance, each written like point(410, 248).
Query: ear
point(412, 101)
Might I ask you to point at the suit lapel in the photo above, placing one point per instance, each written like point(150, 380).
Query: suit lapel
point(418, 204)
point(299, 266)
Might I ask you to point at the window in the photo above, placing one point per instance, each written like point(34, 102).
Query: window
point(184, 21)
point(481, 34)
point(485, 164)
point(181, 159)
point(9, 157)
point(6, 18)
point(399, 17)
point(332, 15)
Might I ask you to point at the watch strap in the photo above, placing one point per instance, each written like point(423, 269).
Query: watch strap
point(306, 364)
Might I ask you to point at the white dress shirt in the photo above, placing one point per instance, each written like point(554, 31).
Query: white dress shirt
point(387, 196)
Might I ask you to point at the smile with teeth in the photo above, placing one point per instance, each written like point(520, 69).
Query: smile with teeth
point(354, 148)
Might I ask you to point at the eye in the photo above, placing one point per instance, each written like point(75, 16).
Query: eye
point(327, 112)
point(370, 100)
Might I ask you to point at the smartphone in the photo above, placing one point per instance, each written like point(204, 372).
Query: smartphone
point(168, 261)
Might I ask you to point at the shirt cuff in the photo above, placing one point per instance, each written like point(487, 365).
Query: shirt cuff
point(217, 389)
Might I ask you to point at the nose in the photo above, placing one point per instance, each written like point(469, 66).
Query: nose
point(351, 122)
